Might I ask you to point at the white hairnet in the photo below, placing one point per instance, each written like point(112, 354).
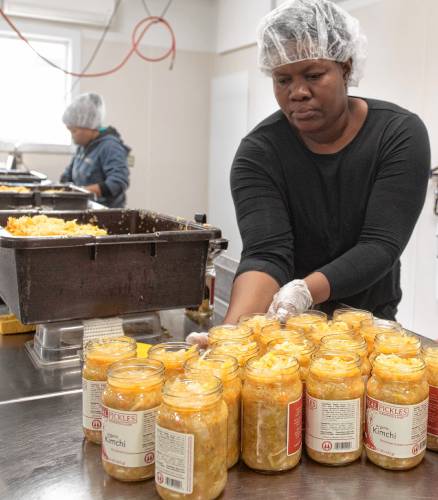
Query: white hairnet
point(86, 111)
point(298, 30)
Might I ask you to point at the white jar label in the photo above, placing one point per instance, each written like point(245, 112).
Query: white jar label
point(174, 460)
point(92, 404)
point(333, 426)
point(397, 431)
point(128, 437)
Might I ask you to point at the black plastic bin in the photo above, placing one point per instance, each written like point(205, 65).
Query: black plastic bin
point(148, 262)
point(21, 177)
point(65, 197)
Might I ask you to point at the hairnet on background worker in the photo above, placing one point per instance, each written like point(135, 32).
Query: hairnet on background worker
point(86, 111)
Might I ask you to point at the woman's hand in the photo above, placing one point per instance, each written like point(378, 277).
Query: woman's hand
point(94, 188)
point(292, 298)
point(198, 338)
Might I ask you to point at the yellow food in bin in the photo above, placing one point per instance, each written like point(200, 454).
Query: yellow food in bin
point(14, 189)
point(41, 225)
point(9, 324)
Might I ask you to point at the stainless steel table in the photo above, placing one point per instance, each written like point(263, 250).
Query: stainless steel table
point(43, 455)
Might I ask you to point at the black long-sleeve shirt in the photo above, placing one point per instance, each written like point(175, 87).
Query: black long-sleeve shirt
point(348, 215)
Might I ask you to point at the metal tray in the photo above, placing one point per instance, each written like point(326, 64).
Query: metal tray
point(70, 198)
point(148, 262)
point(20, 177)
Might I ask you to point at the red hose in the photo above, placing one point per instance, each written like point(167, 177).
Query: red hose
point(135, 42)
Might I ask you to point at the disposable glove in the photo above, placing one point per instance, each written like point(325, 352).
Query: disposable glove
point(198, 338)
point(292, 298)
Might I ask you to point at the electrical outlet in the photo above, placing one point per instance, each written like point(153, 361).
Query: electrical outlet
point(131, 161)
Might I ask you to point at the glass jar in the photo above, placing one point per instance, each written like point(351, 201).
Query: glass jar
point(173, 355)
point(191, 439)
point(396, 412)
point(369, 328)
point(129, 408)
point(321, 330)
point(430, 356)
point(226, 369)
point(402, 345)
point(349, 343)
point(306, 320)
point(334, 401)
point(242, 351)
point(98, 356)
point(241, 333)
point(271, 413)
point(270, 332)
point(300, 348)
point(353, 317)
point(257, 321)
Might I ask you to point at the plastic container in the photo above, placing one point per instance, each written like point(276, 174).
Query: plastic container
point(272, 413)
point(129, 408)
point(147, 262)
point(430, 356)
point(191, 439)
point(173, 355)
point(60, 344)
point(226, 369)
point(241, 333)
point(98, 356)
point(334, 401)
point(47, 197)
point(353, 317)
point(396, 412)
point(369, 328)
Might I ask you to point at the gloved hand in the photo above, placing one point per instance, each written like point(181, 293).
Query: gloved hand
point(199, 338)
point(292, 298)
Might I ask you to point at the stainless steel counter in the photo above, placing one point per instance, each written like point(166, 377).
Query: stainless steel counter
point(43, 455)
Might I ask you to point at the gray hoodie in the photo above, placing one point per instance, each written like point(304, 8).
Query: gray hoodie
point(103, 161)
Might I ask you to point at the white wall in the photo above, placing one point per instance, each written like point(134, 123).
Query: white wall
point(194, 23)
point(237, 22)
point(231, 121)
point(229, 110)
point(401, 69)
point(163, 115)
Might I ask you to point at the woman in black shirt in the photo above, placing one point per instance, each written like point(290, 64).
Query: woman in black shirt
point(327, 191)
